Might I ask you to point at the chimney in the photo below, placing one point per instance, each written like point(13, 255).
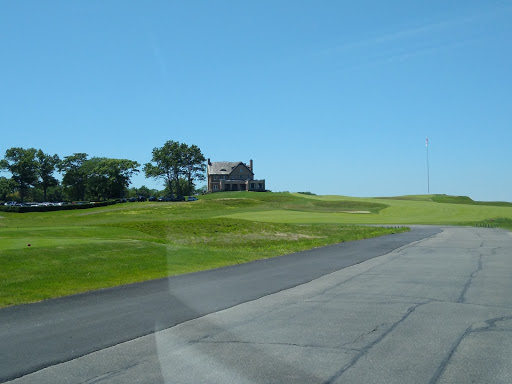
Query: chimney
point(250, 166)
point(209, 162)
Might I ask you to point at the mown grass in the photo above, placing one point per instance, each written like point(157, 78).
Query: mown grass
point(447, 199)
point(77, 251)
point(51, 254)
point(409, 210)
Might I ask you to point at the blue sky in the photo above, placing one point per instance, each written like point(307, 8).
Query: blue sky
point(332, 97)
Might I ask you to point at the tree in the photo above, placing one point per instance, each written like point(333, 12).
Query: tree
point(23, 166)
point(168, 164)
point(195, 167)
point(7, 187)
point(175, 161)
point(75, 176)
point(201, 190)
point(109, 178)
point(47, 166)
point(143, 191)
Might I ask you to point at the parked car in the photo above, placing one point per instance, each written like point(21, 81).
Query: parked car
point(179, 198)
point(152, 198)
point(132, 199)
point(164, 198)
point(11, 203)
point(142, 198)
point(192, 198)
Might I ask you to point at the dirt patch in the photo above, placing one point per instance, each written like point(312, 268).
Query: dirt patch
point(291, 236)
point(231, 238)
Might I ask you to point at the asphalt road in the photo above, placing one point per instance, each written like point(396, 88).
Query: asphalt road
point(36, 336)
point(435, 311)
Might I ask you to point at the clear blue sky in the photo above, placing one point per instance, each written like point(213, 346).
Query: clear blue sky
point(332, 97)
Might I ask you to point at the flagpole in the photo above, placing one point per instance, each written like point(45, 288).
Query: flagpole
point(428, 169)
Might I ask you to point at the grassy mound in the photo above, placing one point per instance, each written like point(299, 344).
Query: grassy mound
point(51, 254)
point(446, 199)
point(296, 202)
point(76, 251)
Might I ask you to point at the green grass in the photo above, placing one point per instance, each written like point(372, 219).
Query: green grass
point(77, 251)
point(447, 199)
point(409, 210)
point(498, 222)
point(467, 200)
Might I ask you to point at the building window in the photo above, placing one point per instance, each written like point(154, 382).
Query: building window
point(252, 185)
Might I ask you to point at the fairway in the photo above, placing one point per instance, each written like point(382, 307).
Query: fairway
point(52, 254)
point(411, 210)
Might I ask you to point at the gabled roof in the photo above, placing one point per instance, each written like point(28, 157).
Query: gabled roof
point(224, 167)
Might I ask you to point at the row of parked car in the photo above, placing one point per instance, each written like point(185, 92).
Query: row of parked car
point(33, 204)
point(153, 198)
point(123, 200)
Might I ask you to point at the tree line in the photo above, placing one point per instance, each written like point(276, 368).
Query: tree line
point(33, 174)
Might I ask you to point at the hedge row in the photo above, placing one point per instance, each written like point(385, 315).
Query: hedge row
point(24, 209)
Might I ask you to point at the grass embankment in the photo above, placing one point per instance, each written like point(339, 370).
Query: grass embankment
point(420, 209)
point(77, 251)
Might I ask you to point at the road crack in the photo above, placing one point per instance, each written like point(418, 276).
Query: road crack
point(491, 325)
point(247, 342)
point(462, 297)
point(366, 349)
point(109, 375)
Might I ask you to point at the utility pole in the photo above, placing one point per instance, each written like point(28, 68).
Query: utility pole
point(428, 169)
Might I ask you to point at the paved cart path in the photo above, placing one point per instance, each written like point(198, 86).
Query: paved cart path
point(436, 311)
point(39, 335)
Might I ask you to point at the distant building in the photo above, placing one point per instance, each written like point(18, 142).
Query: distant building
point(232, 176)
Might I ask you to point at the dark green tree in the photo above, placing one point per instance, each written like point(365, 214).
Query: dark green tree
point(109, 178)
point(74, 175)
point(7, 187)
point(145, 191)
point(167, 163)
point(47, 166)
point(175, 161)
point(23, 166)
point(194, 168)
point(56, 193)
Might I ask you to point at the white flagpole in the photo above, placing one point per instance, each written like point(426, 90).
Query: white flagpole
point(428, 169)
